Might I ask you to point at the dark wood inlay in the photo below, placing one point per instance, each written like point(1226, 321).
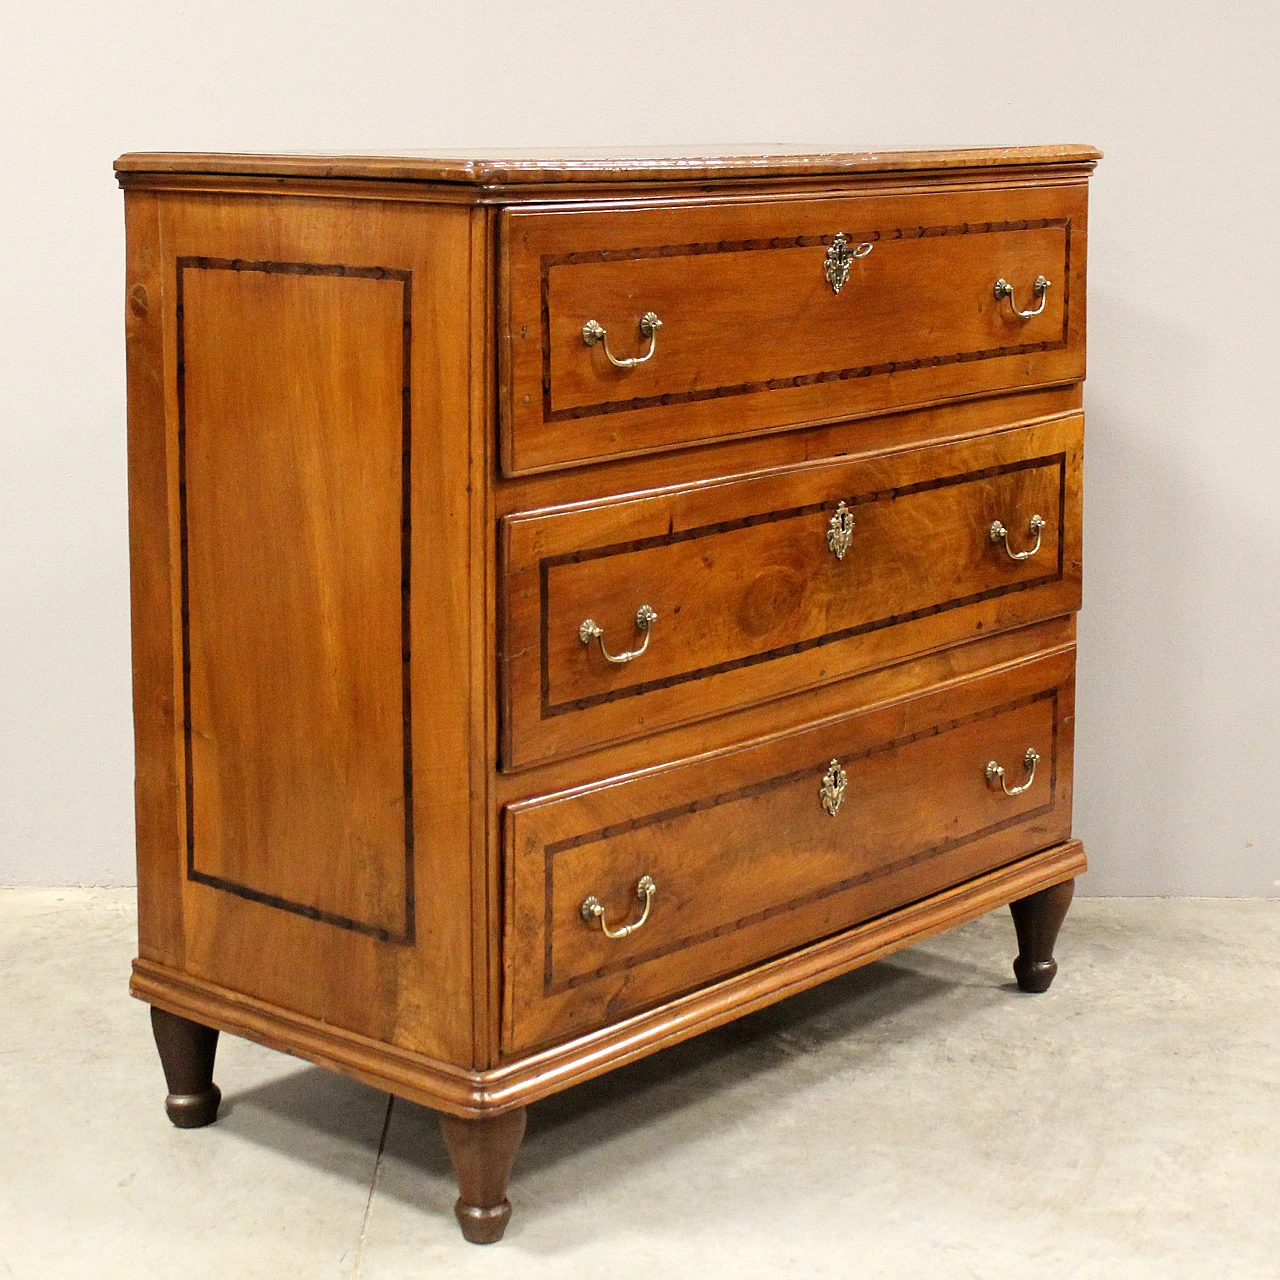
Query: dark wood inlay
point(800, 380)
point(545, 566)
point(405, 279)
point(814, 769)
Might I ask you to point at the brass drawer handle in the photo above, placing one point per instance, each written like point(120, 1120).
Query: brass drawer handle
point(840, 531)
point(593, 332)
point(593, 910)
point(645, 618)
point(995, 772)
point(839, 259)
point(1035, 527)
point(834, 782)
point(1041, 289)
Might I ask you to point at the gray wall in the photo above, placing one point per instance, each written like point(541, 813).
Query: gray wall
point(1180, 686)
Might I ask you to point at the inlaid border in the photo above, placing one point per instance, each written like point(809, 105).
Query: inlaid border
point(548, 261)
point(813, 769)
point(545, 565)
point(405, 279)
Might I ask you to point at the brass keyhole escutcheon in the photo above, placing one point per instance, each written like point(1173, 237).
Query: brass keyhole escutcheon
point(834, 782)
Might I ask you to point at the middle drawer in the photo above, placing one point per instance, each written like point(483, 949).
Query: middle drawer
point(739, 590)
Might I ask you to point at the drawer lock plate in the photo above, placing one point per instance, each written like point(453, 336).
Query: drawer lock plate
point(834, 782)
point(840, 257)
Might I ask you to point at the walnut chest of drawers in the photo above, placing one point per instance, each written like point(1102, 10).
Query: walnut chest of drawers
point(577, 602)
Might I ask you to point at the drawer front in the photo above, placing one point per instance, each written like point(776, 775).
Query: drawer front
point(753, 335)
point(760, 849)
point(750, 596)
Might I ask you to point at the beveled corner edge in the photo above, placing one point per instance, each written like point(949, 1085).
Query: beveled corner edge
point(445, 1087)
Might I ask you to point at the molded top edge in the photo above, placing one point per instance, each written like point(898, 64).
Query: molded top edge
point(600, 166)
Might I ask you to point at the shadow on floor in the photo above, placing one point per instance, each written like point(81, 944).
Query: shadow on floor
point(293, 1113)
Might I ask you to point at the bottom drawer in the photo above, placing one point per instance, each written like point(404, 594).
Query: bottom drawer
point(767, 846)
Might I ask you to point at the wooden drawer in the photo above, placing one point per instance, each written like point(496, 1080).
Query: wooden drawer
point(748, 863)
point(754, 337)
point(751, 600)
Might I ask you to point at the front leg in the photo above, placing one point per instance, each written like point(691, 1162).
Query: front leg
point(1037, 920)
point(483, 1152)
point(187, 1050)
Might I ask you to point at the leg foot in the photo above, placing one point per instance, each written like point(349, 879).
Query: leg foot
point(186, 1052)
point(483, 1152)
point(1037, 920)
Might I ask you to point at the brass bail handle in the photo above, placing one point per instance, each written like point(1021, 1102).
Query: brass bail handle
point(1003, 289)
point(590, 630)
point(593, 331)
point(593, 909)
point(995, 773)
point(1035, 527)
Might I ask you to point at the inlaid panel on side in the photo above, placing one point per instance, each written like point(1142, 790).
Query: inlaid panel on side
point(294, 438)
point(307, 426)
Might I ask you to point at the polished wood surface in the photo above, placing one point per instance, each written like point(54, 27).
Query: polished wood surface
point(378, 771)
point(294, 558)
point(154, 590)
point(937, 669)
point(528, 1077)
point(1037, 919)
point(751, 602)
point(295, 517)
point(187, 1050)
point(748, 863)
point(483, 1152)
point(852, 438)
point(615, 165)
point(916, 299)
point(753, 336)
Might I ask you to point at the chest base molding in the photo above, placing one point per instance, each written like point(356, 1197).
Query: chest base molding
point(479, 1094)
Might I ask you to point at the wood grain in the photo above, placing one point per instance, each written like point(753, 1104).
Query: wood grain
point(751, 602)
point(294, 447)
point(747, 861)
point(377, 481)
point(295, 508)
point(482, 1153)
point(618, 165)
point(938, 668)
point(753, 335)
point(154, 588)
point(849, 439)
point(909, 302)
point(518, 1082)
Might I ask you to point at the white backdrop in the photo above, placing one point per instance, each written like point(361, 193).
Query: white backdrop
point(1178, 749)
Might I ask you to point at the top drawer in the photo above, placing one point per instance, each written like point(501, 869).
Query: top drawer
point(753, 335)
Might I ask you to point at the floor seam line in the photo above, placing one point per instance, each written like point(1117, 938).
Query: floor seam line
point(373, 1187)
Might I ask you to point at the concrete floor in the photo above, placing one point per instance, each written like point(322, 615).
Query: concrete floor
point(919, 1118)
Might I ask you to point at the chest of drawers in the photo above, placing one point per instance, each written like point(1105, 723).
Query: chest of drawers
point(577, 602)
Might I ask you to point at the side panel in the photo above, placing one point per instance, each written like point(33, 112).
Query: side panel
point(153, 577)
point(296, 513)
point(316, 438)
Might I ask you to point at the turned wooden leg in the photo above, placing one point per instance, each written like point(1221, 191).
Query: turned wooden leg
point(1037, 920)
point(483, 1152)
point(186, 1053)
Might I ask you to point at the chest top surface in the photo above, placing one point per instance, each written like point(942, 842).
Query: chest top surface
point(519, 167)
